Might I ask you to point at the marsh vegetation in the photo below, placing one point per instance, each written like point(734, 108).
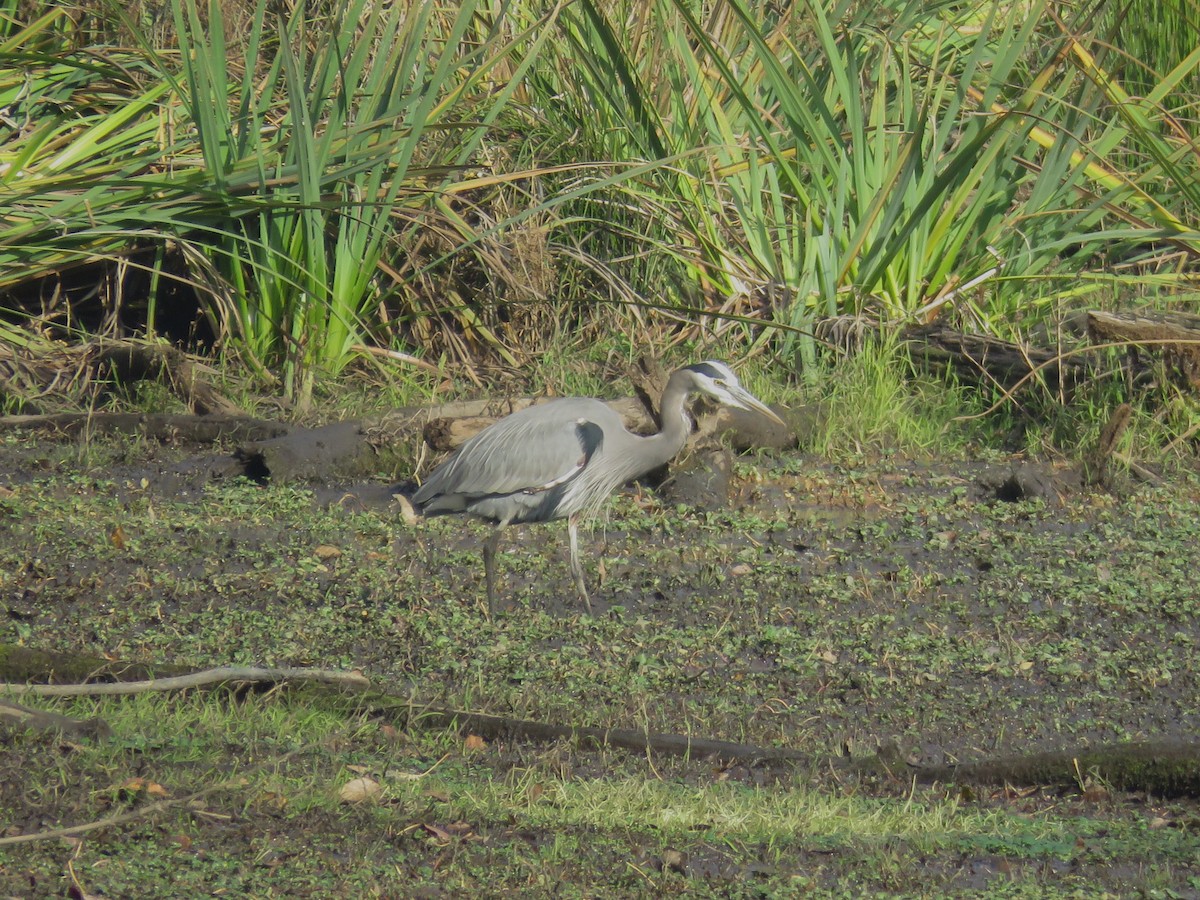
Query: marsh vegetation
point(328, 211)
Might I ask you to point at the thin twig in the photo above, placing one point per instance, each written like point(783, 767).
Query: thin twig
point(926, 311)
point(397, 356)
point(1139, 470)
point(195, 679)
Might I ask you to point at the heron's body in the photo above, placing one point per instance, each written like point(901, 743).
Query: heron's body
point(562, 459)
point(545, 456)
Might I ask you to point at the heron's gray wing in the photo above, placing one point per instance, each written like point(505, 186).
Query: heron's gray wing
point(533, 450)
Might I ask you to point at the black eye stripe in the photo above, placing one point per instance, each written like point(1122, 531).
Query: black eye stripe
point(708, 371)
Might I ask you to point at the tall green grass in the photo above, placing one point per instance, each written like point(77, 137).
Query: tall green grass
point(344, 140)
point(79, 142)
point(904, 161)
point(378, 175)
point(285, 172)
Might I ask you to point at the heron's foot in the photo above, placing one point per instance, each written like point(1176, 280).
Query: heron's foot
point(576, 565)
point(582, 588)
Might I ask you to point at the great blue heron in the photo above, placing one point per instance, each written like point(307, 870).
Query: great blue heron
point(563, 458)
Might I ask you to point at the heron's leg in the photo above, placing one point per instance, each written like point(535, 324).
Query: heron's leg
point(576, 565)
point(490, 546)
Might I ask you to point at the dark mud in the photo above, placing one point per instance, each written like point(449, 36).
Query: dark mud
point(957, 610)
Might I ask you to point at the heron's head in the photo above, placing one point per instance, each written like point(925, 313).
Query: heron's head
point(714, 379)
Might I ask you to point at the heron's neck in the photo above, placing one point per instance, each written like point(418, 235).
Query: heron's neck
point(676, 424)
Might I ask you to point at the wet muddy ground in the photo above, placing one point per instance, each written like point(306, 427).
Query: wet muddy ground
point(954, 609)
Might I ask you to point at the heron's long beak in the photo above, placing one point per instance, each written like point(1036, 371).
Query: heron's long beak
point(749, 401)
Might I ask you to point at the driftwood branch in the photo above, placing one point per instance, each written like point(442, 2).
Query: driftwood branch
point(22, 665)
point(445, 430)
point(649, 379)
point(141, 812)
point(278, 452)
point(1096, 467)
point(1007, 365)
point(220, 675)
point(745, 430)
point(16, 714)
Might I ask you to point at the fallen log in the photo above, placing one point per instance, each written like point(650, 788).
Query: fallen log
point(1166, 768)
point(73, 374)
point(342, 450)
point(445, 432)
point(1175, 334)
point(989, 361)
point(130, 361)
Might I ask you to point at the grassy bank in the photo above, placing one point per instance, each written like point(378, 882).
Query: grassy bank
point(837, 606)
